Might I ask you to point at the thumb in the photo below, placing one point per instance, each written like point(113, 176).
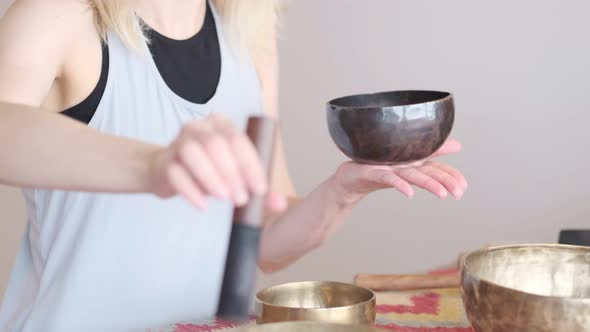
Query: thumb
point(275, 203)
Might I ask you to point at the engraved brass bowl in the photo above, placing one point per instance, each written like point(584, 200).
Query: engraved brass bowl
point(526, 288)
point(320, 301)
point(305, 327)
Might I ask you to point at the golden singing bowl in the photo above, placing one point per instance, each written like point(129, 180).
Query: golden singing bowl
point(320, 301)
point(305, 327)
point(526, 288)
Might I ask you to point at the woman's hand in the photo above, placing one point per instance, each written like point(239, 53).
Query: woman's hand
point(308, 224)
point(210, 157)
point(353, 181)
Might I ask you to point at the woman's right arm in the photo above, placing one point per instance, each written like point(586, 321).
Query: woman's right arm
point(42, 149)
point(46, 150)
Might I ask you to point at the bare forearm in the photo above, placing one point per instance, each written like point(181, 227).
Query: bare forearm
point(45, 150)
point(302, 228)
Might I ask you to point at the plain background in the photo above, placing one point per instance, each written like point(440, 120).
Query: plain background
point(520, 73)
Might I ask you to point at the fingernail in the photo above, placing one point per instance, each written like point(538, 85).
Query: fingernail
point(241, 197)
point(223, 192)
point(201, 204)
point(260, 187)
point(443, 195)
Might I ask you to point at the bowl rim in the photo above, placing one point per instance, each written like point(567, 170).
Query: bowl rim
point(333, 105)
point(306, 323)
point(465, 269)
point(266, 303)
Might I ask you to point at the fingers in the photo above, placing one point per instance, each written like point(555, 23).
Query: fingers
point(455, 173)
point(388, 179)
point(182, 183)
point(416, 177)
point(275, 203)
point(450, 146)
point(209, 161)
point(222, 160)
point(195, 159)
point(211, 157)
point(435, 177)
point(246, 156)
point(450, 183)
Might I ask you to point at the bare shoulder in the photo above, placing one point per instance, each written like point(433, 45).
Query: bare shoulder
point(35, 36)
point(37, 19)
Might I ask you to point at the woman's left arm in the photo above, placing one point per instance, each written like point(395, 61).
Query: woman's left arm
point(306, 223)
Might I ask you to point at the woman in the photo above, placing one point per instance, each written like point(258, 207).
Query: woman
point(132, 155)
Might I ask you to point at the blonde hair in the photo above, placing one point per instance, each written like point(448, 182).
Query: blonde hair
point(250, 25)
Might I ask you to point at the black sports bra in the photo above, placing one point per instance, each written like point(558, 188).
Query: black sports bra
point(190, 67)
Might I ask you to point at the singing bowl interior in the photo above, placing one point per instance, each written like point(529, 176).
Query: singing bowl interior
point(546, 270)
point(315, 295)
point(536, 287)
point(319, 301)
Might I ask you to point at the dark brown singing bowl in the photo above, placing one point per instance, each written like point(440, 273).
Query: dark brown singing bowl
point(390, 128)
point(527, 288)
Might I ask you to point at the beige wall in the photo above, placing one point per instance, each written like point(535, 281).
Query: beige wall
point(520, 74)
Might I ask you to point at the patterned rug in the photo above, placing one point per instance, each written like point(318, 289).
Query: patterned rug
point(438, 310)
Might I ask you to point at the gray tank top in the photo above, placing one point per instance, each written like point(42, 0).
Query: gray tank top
point(118, 262)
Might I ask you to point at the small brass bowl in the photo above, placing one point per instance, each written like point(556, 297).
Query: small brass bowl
point(527, 288)
point(306, 327)
point(320, 301)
